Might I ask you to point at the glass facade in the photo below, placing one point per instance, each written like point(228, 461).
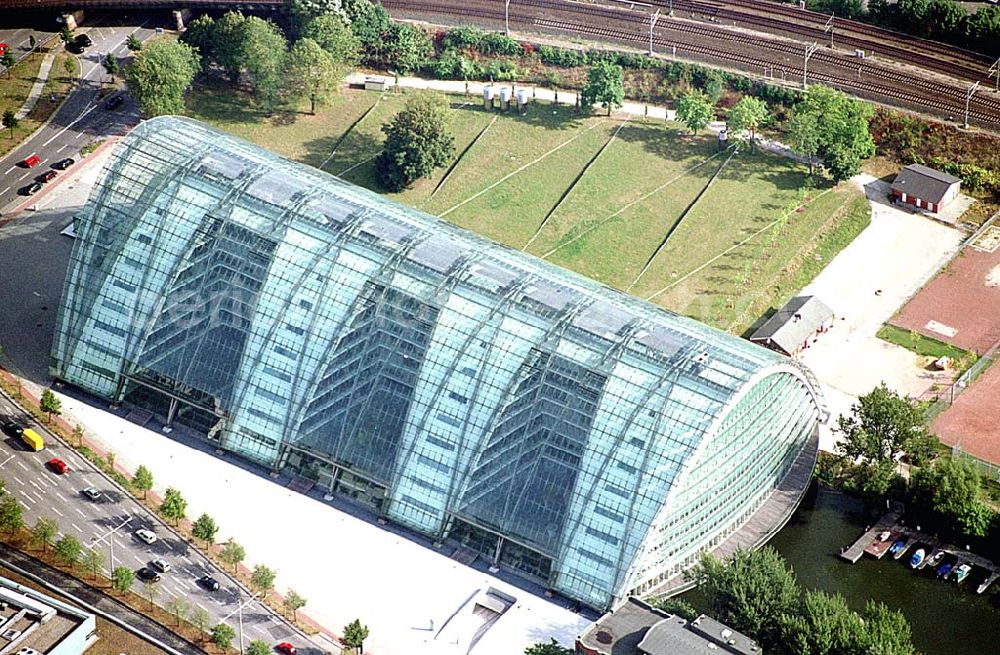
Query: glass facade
point(460, 388)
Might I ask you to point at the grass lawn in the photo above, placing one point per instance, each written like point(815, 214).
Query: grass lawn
point(926, 346)
point(753, 239)
point(14, 91)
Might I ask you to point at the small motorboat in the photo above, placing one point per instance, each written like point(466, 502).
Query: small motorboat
point(897, 546)
point(934, 559)
point(961, 573)
point(917, 558)
point(945, 569)
point(884, 535)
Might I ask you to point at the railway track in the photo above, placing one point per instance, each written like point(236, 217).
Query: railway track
point(714, 44)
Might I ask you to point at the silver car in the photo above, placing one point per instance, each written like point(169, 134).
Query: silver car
point(145, 536)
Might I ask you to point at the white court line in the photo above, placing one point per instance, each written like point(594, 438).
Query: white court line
point(80, 512)
point(61, 515)
point(77, 120)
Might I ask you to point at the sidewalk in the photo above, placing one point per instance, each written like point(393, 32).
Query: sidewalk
point(36, 88)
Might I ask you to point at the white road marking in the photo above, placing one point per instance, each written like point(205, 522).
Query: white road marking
point(73, 461)
point(58, 512)
point(19, 480)
point(21, 464)
point(62, 147)
point(10, 169)
point(38, 495)
point(76, 527)
point(201, 606)
point(34, 484)
point(80, 512)
point(138, 559)
point(5, 191)
point(183, 557)
point(28, 498)
point(25, 175)
point(77, 120)
point(11, 457)
point(62, 498)
point(79, 135)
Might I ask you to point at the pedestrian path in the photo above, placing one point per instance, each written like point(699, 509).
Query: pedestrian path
point(36, 88)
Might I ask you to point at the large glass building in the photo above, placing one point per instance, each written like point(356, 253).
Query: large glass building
point(473, 393)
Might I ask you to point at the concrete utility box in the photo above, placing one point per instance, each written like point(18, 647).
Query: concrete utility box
point(504, 98)
point(522, 99)
point(376, 83)
point(488, 94)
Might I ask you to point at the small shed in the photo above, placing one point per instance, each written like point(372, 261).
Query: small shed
point(925, 188)
point(376, 83)
point(791, 328)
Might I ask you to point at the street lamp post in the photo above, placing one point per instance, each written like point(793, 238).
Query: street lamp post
point(110, 535)
point(239, 601)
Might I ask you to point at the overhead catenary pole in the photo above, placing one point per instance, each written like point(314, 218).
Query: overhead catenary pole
point(968, 97)
point(652, 25)
point(829, 28)
point(805, 63)
point(995, 72)
point(506, 17)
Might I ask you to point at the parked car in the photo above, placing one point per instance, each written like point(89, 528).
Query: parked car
point(146, 574)
point(160, 565)
point(31, 161)
point(83, 41)
point(58, 465)
point(47, 176)
point(145, 536)
point(208, 582)
point(63, 164)
point(32, 189)
point(286, 648)
point(92, 493)
point(114, 101)
point(12, 428)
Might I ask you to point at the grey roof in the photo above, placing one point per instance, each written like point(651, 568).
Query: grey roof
point(703, 636)
point(919, 181)
point(793, 323)
point(619, 631)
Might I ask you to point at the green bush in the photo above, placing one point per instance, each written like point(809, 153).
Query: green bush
point(495, 43)
point(974, 178)
point(462, 37)
point(502, 71)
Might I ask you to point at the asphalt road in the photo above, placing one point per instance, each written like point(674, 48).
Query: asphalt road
point(109, 525)
point(18, 42)
point(80, 120)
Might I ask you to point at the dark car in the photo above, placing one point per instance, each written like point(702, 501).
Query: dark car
point(12, 428)
point(208, 582)
point(114, 101)
point(83, 41)
point(74, 47)
point(63, 164)
point(47, 176)
point(32, 189)
point(146, 574)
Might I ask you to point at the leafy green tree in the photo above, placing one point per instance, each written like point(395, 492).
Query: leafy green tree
point(355, 634)
point(406, 48)
point(824, 626)
point(66, 35)
point(78, 434)
point(952, 489)
point(948, 19)
point(143, 479)
point(200, 618)
point(877, 481)
point(605, 85)
point(257, 647)
point(881, 426)
point(751, 593)
point(695, 110)
point(418, 140)
point(44, 532)
point(803, 132)
point(262, 579)
point(201, 34)
point(261, 54)
point(222, 635)
point(11, 514)
point(50, 404)
point(334, 36)
point(311, 73)
point(205, 528)
point(174, 506)
point(93, 562)
point(68, 549)
point(122, 578)
point(677, 607)
point(10, 121)
point(550, 648)
point(152, 589)
point(303, 12)
point(110, 64)
point(7, 60)
point(293, 603)
point(839, 128)
point(746, 116)
point(160, 75)
point(226, 42)
point(133, 43)
point(888, 632)
point(369, 21)
point(982, 29)
point(233, 553)
point(178, 607)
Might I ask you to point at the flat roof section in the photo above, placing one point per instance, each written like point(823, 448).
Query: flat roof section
point(31, 619)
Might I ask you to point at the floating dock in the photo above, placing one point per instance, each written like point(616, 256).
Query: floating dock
point(987, 582)
point(854, 552)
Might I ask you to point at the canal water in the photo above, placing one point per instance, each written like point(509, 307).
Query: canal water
point(946, 619)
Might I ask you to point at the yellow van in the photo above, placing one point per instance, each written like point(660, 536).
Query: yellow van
point(32, 439)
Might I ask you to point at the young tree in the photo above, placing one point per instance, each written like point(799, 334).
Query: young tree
point(152, 590)
point(261, 54)
point(201, 618)
point(311, 73)
point(200, 34)
point(334, 36)
point(881, 426)
point(951, 489)
point(11, 514)
point(605, 85)
point(66, 35)
point(142, 480)
point(257, 647)
point(69, 66)
point(7, 60)
point(159, 76)
point(369, 21)
point(695, 111)
point(293, 603)
point(418, 140)
point(93, 562)
point(10, 121)
point(840, 125)
point(110, 64)
point(406, 48)
point(178, 607)
point(354, 636)
point(751, 593)
point(133, 43)
point(746, 116)
point(233, 553)
point(222, 635)
point(174, 506)
point(44, 532)
point(551, 648)
point(78, 434)
point(262, 579)
point(50, 404)
point(68, 549)
point(803, 131)
point(122, 578)
point(205, 528)
point(224, 42)
point(303, 12)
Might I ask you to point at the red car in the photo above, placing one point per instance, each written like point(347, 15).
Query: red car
point(58, 465)
point(286, 648)
point(31, 161)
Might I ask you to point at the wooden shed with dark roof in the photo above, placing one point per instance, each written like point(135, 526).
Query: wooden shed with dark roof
point(925, 188)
